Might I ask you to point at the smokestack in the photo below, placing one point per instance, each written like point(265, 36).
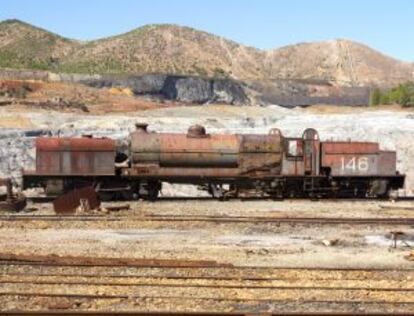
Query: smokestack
point(141, 127)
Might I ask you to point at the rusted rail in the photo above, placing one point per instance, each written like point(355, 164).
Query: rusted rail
point(221, 283)
point(101, 261)
point(161, 199)
point(172, 313)
point(300, 290)
point(216, 219)
point(171, 264)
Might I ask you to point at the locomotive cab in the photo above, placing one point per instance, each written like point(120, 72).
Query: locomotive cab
point(302, 155)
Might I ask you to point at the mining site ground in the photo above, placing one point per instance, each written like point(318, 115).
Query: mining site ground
point(202, 255)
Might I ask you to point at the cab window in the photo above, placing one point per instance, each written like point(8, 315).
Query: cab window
point(294, 148)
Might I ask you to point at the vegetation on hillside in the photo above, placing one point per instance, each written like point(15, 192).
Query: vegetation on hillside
point(179, 50)
point(402, 94)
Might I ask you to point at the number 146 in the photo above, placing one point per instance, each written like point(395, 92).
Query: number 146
point(355, 164)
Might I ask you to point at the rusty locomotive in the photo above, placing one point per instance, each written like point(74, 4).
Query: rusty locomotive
point(227, 165)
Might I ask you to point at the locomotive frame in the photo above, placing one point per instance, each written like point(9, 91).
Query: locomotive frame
point(226, 165)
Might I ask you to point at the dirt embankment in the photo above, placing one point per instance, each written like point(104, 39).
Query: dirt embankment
point(26, 95)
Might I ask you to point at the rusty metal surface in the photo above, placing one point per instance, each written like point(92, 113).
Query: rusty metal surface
point(261, 143)
point(179, 150)
point(215, 143)
point(74, 144)
point(198, 149)
point(199, 157)
point(293, 166)
point(194, 159)
point(349, 147)
point(253, 162)
point(351, 164)
point(351, 158)
point(197, 131)
point(75, 156)
point(145, 170)
point(311, 151)
point(387, 164)
point(69, 202)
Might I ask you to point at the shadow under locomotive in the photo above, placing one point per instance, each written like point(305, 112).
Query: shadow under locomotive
point(226, 165)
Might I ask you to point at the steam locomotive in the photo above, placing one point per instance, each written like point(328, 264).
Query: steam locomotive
point(226, 165)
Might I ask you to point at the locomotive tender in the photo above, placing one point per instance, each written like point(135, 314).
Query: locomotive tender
point(224, 164)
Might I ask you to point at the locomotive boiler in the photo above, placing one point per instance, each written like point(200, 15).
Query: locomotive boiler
point(226, 165)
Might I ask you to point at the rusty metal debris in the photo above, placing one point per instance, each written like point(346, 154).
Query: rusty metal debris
point(85, 198)
point(398, 235)
point(101, 261)
point(11, 202)
point(118, 208)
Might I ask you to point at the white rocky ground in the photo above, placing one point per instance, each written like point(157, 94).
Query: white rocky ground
point(393, 129)
point(247, 243)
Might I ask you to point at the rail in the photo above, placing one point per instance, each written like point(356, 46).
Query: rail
point(387, 221)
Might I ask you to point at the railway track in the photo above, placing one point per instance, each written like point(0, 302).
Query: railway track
point(48, 199)
point(242, 290)
point(212, 218)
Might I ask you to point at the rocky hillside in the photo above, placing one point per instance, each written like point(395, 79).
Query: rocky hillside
point(25, 46)
point(167, 49)
point(341, 61)
point(185, 51)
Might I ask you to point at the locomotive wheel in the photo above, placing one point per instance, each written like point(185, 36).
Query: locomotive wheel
point(106, 196)
point(129, 195)
point(217, 191)
point(153, 194)
point(379, 188)
point(153, 190)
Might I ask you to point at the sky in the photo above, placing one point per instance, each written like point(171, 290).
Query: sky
point(266, 24)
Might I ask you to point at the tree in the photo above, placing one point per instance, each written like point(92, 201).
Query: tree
point(375, 97)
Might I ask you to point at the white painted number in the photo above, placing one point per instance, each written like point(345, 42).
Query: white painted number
point(355, 164)
point(363, 164)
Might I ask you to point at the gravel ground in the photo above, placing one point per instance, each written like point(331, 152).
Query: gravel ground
point(251, 244)
point(240, 244)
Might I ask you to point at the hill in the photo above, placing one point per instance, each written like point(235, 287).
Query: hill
point(342, 61)
point(167, 49)
point(185, 51)
point(25, 46)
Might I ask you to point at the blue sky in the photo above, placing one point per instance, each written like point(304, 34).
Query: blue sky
point(383, 25)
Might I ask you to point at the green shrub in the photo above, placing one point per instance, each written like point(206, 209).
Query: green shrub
point(402, 94)
point(375, 97)
point(220, 73)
